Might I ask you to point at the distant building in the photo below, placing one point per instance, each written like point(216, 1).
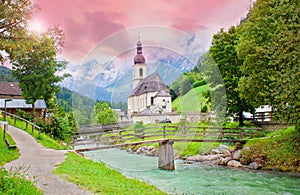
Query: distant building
point(150, 99)
point(11, 93)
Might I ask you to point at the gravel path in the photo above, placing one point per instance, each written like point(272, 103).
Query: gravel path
point(38, 162)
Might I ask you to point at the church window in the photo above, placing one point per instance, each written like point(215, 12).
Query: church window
point(152, 100)
point(141, 72)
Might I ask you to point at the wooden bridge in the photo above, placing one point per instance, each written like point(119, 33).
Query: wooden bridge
point(164, 135)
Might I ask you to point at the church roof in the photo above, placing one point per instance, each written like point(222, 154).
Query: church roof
point(152, 83)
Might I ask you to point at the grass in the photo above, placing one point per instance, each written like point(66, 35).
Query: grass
point(279, 150)
point(12, 182)
point(100, 179)
point(16, 183)
point(44, 139)
point(190, 101)
point(7, 155)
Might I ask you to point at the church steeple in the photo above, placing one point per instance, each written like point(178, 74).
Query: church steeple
point(139, 66)
point(139, 58)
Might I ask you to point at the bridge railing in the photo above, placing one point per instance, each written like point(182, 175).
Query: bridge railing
point(171, 132)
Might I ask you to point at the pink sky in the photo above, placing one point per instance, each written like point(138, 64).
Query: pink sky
point(87, 22)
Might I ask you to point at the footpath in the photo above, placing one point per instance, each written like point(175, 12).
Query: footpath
point(38, 162)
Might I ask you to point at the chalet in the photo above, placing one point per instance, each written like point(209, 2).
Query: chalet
point(12, 100)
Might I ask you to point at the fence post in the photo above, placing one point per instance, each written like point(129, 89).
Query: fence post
point(241, 133)
point(39, 131)
point(143, 134)
point(164, 131)
point(32, 128)
point(120, 138)
point(184, 131)
point(222, 133)
point(26, 124)
point(15, 120)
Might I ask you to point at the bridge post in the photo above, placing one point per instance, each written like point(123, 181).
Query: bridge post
point(165, 155)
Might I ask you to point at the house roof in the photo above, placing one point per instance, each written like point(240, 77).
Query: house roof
point(21, 103)
point(10, 89)
point(151, 83)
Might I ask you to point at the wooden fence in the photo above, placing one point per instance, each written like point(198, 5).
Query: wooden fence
point(178, 133)
point(15, 117)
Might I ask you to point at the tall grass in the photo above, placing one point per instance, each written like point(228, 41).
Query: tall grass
point(100, 179)
point(16, 183)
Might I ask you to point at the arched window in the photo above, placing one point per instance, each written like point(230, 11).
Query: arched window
point(141, 72)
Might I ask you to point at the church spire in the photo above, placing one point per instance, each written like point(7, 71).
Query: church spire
point(139, 58)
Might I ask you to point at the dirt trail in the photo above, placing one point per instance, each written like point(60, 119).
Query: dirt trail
point(38, 162)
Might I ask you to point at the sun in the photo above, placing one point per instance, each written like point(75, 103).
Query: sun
point(36, 26)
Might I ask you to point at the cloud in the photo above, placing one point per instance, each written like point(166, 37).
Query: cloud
point(84, 35)
point(87, 22)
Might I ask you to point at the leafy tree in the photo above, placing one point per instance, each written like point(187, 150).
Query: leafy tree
point(14, 17)
point(37, 71)
point(270, 47)
point(223, 51)
point(104, 114)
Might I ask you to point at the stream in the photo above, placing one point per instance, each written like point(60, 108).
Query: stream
point(197, 178)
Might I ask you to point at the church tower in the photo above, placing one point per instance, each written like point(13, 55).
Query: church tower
point(139, 66)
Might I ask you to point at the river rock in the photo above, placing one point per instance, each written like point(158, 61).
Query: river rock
point(207, 159)
point(234, 163)
point(255, 166)
point(223, 147)
point(236, 155)
point(147, 150)
point(224, 161)
point(215, 151)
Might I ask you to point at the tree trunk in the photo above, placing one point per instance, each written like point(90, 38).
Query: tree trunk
point(241, 118)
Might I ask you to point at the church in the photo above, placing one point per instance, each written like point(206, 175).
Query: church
point(150, 99)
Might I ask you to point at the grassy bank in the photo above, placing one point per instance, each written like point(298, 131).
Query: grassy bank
point(98, 178)
point(278, 151)
point(191, 100)
point(44, 139)
point(7, 155)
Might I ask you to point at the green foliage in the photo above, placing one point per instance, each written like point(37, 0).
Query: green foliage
point(104, 114)
point(16, 183)
point(71, 101)
point(98, 178)
point(14, 16)
point(217, 93)
point(42, 138)
point(223, 51)
point(37, 71)
point(269, 45)
point(279, 150)
point(186, 82)
point(62, 125)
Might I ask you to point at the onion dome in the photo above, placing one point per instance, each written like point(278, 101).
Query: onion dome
point(139, 58)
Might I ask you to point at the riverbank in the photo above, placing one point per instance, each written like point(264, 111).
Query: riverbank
point(278, 151)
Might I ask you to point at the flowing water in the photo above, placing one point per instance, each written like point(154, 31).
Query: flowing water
point(197, 178)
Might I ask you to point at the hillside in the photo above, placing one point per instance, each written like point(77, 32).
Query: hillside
point(6, 74)
point(191, 101)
